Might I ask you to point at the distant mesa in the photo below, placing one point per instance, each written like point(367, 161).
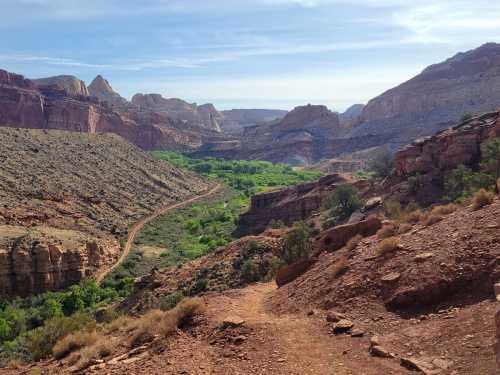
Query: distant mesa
point(71, 84)
point(235, 120)
point(205, 115)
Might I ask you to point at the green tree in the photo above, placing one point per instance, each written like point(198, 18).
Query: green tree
point(491, 159)
point(5, 330)
point(51, 309)
point(343, 202)
point(382, 164)
point(297, 243)
point(73, 300)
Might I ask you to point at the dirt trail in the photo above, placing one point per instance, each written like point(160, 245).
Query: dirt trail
point(271, 344)
point(138, 226)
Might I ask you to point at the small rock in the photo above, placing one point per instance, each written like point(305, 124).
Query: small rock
point(238, 340)
point(334, 317)
point(424, 256)
point(342, 326)
point(374, 341)
point(232, 322)
point(443, 364)
point(420, 365)
point(380, 351)
point(357, 333)
point(280, 360)
point(312, 312)
point(391, 277)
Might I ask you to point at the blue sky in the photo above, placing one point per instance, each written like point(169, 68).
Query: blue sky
point(242, 53)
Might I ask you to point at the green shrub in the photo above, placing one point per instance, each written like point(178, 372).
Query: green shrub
point(250, 271)
point(297, 244)
point(343, 202)
point(171, 300)
point(382, 164)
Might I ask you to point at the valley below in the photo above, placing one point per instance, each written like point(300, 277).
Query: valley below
point(159, 236)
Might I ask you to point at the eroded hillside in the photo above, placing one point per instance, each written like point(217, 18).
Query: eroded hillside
point(66, 199)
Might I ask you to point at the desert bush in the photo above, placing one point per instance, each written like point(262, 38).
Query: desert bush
point(276, 224)
point(165, 323)
point(250, 271)
point(382, 164)
point(462, 182)
point(491, 159)
point(340, 266)
point(394, 211)
point(432, 218)
point(171, 300)
point(415, 183)
point(482, 198)
point(102, 348)
point(40, 341)
point(122, 322)
point(343, 202)
point(444, 210)
point(387, 231)
point(404, 228)
point(353, 242)
point(297, 243)
point(73, 342)
point(387, 246)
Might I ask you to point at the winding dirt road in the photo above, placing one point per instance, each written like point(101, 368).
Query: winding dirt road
point(138, 226)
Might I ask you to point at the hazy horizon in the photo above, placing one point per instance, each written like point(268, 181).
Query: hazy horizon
point(273, 54)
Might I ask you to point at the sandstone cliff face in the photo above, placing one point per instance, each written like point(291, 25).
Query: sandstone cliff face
point(102, 90)
point(26, 105)
point(205, 116)
point(288, 205)
point(72, 85)
point(448, 149)
point(36, 260)
point(466, 83)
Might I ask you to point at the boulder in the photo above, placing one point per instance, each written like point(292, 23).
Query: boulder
point(290, 272)
point(337, 237)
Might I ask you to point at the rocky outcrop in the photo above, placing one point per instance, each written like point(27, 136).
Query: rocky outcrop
point(33, 261)
point(235, 120)
point(432, 156)
point(288, 205)
point(205, 116)
point(335, 238)
point(466, 83)
point(102, 90)
point(71, 84)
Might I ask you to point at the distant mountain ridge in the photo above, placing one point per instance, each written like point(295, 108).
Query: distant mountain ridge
point(468, 82)
point(235, 120)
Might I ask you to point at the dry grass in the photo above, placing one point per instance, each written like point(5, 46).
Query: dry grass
point(431, 219)
point(405, 228)
point(445, 209)
point(482, 198)
point(387, 231)
point(353, 242)
point(165, 323)
point(73, 342)
point(413, 216)
point(389, 245)
point(339, 266)
point(121, 323)
point(102, 348)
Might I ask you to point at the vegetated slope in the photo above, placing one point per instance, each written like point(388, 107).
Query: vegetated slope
point(52, 182)
point(435, 287)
